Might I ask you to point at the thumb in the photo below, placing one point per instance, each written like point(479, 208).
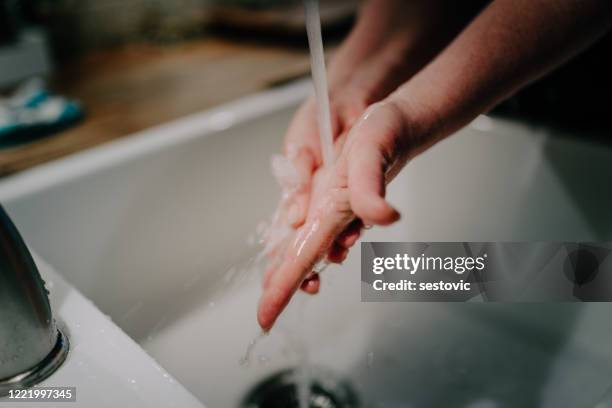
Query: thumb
point(371, 155)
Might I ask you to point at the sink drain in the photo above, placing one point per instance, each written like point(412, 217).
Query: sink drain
point(281, 391)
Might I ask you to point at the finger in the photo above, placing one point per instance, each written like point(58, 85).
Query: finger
point(313, 242)
point(273, 263)
point(267, 276)
point(367, 187)
point(350, 235)
point(311, 284)
point(368, 162)
point(302, 131)
point(337, 254)
point(305, 165)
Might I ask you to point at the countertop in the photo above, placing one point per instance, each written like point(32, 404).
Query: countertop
point(135, 87)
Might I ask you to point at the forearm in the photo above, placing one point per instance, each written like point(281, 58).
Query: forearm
point(511, 43)
point(393, 39)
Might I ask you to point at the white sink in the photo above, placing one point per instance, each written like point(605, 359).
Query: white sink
point(107, 367)
point(148, 228)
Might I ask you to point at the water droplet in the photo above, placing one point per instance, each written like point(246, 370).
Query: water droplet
point(245, 360)
point(229, 275)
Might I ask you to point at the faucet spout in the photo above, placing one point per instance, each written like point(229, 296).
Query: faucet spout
point(31, 346)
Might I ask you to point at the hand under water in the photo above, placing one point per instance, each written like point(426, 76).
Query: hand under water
point(341, 199)
point(329, 207)
point(431, 82)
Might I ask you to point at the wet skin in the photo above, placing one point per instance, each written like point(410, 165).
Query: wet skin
point(409, 75)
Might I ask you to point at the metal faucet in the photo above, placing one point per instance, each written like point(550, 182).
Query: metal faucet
point(31, 346)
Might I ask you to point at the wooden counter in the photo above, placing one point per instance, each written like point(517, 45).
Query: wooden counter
point(129, 89)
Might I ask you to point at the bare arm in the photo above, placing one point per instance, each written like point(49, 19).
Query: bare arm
point(392, 40)
point(510, 43)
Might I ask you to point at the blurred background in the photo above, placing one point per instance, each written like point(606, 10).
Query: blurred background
point(114, 67)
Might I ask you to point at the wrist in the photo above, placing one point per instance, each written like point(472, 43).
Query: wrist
point(421, 122)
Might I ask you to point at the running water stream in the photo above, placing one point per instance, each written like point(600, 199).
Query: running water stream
point(319, 77)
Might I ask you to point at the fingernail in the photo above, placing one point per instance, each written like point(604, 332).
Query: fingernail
point(293, 214)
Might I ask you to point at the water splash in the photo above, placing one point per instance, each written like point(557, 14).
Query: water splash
point(245, 360)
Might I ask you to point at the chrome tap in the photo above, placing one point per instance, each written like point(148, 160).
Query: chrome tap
point(31, 346)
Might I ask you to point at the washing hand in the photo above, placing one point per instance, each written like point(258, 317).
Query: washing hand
point(341, 199)
point(409, 75)
point(371, 64)
point(392, 41)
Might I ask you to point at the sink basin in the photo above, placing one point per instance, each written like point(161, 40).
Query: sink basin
point(156, 230)
point(104, 367)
